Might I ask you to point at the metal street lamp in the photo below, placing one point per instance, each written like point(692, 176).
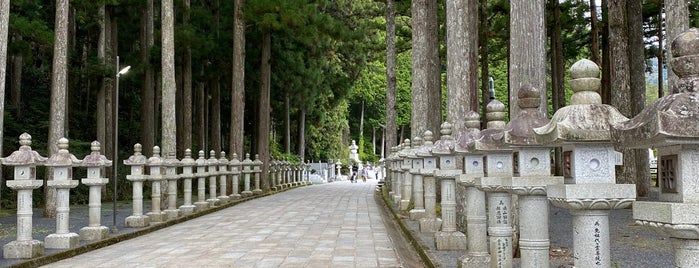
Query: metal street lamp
point(116, 139)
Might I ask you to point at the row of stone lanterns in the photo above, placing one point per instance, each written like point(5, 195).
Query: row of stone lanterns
point(514, 159)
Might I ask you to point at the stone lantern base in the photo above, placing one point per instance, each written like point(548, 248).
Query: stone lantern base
point(430, 224)
point(137, 221)
point(62, 241)
point(23, 249)
point(171, 214)
point(468, 261)
point(94, 233)
point(257, 192)
point(187, 210)
point(200, 206)
point(450, 241)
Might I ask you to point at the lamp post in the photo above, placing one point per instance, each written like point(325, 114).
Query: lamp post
point(116, 139)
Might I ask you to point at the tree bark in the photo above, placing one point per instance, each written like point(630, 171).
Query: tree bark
point(637, 85)
point(169, 128)
point(361, 125)
point(59, 78)
point(434, 72)
point(391, 129)
point(558, 73)
point(148, 103)
point(203, 107)
point(485, 71)
point(216, 115)
point(263, 123)
point(16, 83)
point(606, 56)
point(459, 80)
point(661, 92)
point(186, 135)
point(594, 31)
point(238, 84)
point(302, 133)
point(676, 22)
point(425, 62)
point(4, 33)
point(287, 123)
point(527, 51)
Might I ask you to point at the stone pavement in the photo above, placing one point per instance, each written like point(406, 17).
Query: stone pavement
point(330, 225)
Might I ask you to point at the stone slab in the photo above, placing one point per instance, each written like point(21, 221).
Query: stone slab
point(417, 214)
point(94, 233)
point(23, 249)
point(62, 241)
point(430, 225)
point(665, 212)
point(137, 221)
point(450, 241)
point(468, 261)
point(592, 191)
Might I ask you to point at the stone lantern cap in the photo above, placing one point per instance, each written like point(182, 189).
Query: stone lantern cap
point(212, 158)
point(137, 158)
point(465, 139)
point(257, 161)
point(426, 149)
point(520, 131)
point(415, 146)
point(188, 161)
point(445, 145)
point(492, 138)
point(62, 158)
point(235, 162)
point(155, 160)
point(25, 156)
point(405, 147)
point(95, 159)
point(673, 119)
point(586, 119)
point(223, 160)
point(171, 160)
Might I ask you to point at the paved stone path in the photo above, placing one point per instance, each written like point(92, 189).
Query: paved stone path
point(329, 225)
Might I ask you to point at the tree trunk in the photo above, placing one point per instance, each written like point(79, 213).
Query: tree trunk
point(238, 85)
point(4, 33)
point(661, 92)
point(148, 103)
point(216, 115)
point(373, 140)
point(676, 22)
point(264, 111)
point(594, 31)
point(638, 90)
point(434, 71)
point(202, 108)
point(558, 74)
point(485, 71)
point(426, 74)
point(620, 78)
point(458, 62)
point(302, 133)
point(527, 50)
point(361, 124)
point(391, 129)
point(287, 123)
point(58, 96)
point(606, 56)
point(16, 83)
point(168, 112)
point(186, 135)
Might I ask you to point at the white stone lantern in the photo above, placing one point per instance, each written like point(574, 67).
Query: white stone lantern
point(137, 162)
point(94, 162)
point(212, 171)
point(407, 178)
point(472, 199)
point(429, 222)
point(201, 174)
point(62, 165)
point(582, 129)
point(247, 170)
point(171, 163)
point(24, 162)
point(235, 171)
point(257, 170)
point(418, 200)
point(187, 164)
point(670, 125)
point(155, 165)
point(223, 178)
point(449, 238)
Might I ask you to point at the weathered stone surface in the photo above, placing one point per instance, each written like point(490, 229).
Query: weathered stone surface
point(520, 131)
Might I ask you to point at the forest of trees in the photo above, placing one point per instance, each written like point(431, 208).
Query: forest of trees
point(280, 78)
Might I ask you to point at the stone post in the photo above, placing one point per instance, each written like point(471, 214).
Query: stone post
point(137, 161)
point(272, 175)
point(24, 162)
point(331, 170)
point(257, 170)
point(201, 203)
point(155, 164)
point(398, 175)
point(532, 174)
point(418, 211)
point(449, 168)
point(498, 170)
point(62, 165)
point(338, 173)
point(670, 125)
point(430, 222)
point(223, 178)
point(247, 170)
point(407, 183)
point(235, 170)
point(212, 171)
point(582, 129)
point(171, 163)
point(94, 162)
point(390, 178)
point(187, 164)
point(280, 178)
point(474, 200)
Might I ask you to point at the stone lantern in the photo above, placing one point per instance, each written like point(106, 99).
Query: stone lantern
point(137, 161)
point(418, 190)
point(187, 164)
point(235, 170)
point(472, 199)
point(532, 174)
point(407, 178)
point(498, 170)
point(171, 163)
point(155, 164)
point(212, 171)
point(94, 162)
point(223, 178)
point(670, 125)
point(24, 162)
point(247, 170)
point(449, 168)
point(582, 129)
point(201, 174)
point(62, 165)
point(429, 222)
point(338, 173)
point(272, 170)
point(257, 169)
point(397, 174)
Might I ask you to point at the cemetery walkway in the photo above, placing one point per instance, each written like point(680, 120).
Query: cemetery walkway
point(329, 225)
